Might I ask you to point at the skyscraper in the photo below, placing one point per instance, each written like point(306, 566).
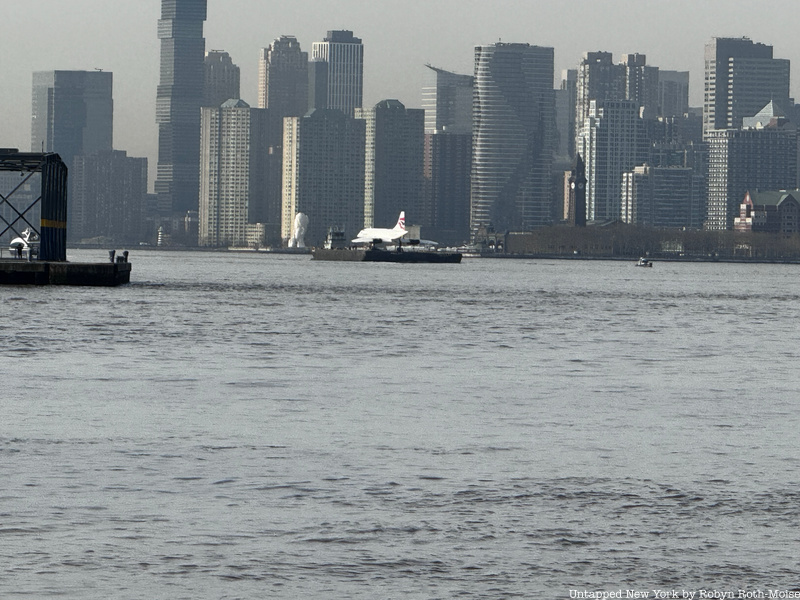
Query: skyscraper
point(740, 78)
point(283, 92)
point(395, 137)
point(221, 78)
point(447, 101)
point(232, 169)
point(180, 94)
point(72, 113)
point(342, 77)
point(513, 137)
point(283, 78)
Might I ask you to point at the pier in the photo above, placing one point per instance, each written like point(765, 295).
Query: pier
point(41, 249)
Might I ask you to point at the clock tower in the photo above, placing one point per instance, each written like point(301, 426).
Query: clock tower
point(577, 194)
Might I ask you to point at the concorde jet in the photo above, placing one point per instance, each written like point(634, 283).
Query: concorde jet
point(376, 235)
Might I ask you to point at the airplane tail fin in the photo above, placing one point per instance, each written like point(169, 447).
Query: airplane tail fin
point(401, 222)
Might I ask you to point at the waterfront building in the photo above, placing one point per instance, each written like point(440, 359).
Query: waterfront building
point(72, 113)
point(514, 138)
point(178, 100)
point(759, 158)
point(394, 153)
point(323, 173)
point(221, 78)
point(741, 76)
point(663, 197)
point(108, 193)
point(612, 141)
point(339, 82)
point(233, 170)
point(769, 212)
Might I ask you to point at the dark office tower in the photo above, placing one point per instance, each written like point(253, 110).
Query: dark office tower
point(343, 85)
point(283, 78)
point(221, 78)
point(740, 78)
point(673, 93)
point(447, 100)
point(72, 113)
point(180, 93)
point(565, 112)
point(513, 138)
point(598, 78)
point(395, 138)
point(108, 195)
point(641, 84)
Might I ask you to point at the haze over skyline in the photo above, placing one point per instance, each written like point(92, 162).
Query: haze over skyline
point(399, 39)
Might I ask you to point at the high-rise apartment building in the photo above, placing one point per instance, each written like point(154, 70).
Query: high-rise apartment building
point(72, 113)
point(221, 78)
point(323, 173)
point(395, 139)
point(180, 94)
point(513, 138)
point(339, 83)
point(447, 101)
point(283, 78)
point(232, 171)
point(612, 142)
point(740, 78)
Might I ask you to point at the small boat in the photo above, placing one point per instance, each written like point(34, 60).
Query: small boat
point(27, 244)
point(644, 262)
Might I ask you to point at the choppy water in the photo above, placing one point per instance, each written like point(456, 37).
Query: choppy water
point(242, 426)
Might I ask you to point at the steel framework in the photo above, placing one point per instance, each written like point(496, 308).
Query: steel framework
point(52, 230)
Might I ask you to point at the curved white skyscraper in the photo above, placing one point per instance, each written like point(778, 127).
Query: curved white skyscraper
point(513, 137)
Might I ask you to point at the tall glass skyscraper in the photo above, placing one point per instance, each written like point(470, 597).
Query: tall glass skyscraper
point(72, 113)
point(513, 137)
point(180, 94)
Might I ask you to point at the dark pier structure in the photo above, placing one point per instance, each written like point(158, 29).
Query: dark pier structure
point(45, 259)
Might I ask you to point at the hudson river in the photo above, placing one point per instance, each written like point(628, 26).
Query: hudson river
point(266, 426)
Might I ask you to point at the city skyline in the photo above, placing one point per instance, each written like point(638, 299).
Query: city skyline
point(122, 38)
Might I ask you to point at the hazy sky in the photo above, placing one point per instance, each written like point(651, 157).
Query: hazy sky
point(399, 38)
